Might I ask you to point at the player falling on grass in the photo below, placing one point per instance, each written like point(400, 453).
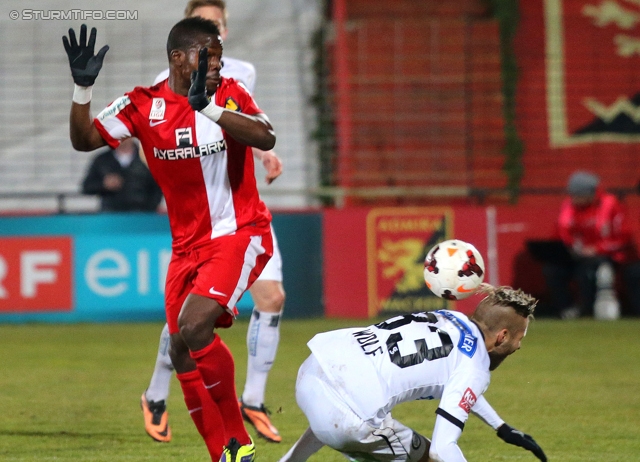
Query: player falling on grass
point(263, 334)
point(355, 377)
point(200, 155)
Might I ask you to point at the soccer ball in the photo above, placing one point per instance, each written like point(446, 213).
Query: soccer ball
point(453, 269)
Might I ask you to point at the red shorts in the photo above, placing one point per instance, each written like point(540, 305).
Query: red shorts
point(221, 270)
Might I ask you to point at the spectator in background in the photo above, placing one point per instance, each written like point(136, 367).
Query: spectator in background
point(594, 228)
point(122, 181)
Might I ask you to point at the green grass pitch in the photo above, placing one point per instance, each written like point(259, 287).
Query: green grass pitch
point(71, 393)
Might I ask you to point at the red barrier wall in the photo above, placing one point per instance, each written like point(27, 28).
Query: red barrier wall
point(374, 257)
point(361, 249)
point(418, 95)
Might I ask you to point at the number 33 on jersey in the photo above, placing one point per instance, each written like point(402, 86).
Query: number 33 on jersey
point(435, 355)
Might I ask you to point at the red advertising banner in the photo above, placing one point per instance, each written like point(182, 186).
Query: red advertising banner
point(593, 53)
point(397, 241)
point(35, 274)
point(345, 262)
point(578, 90)
point(373, 258)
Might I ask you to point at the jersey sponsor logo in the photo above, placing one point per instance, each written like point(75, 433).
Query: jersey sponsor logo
point(190, 152)
point(468, 400)
point(468, 342)
point(114, 108)
point(158, 107)
point(184, 137)
point(154, 123)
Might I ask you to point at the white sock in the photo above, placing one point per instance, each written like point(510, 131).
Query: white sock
point(263, 337)
point(304, 448)
point(161, 379)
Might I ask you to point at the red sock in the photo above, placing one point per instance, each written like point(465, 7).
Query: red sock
point(204, 412)
point(216, 367)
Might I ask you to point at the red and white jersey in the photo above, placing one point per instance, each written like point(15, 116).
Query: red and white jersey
point(242, 71)
point(436, 355)
point(206, 176)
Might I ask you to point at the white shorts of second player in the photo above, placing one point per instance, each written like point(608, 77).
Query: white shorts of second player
point(336, 425)
point(273, 269)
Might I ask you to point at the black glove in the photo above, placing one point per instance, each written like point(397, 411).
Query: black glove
point(84, 65)
point(198, 91)
point(513, 436)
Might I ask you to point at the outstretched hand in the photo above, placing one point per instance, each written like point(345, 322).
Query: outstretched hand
point(198, 91)
point(512, 436)
point(272, 164)
point(85, 66)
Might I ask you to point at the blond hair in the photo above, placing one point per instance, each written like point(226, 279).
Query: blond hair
point(192, 5)
point(522, 303)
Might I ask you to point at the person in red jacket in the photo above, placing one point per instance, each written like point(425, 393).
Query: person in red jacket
point(594, 227)
point(593, 223)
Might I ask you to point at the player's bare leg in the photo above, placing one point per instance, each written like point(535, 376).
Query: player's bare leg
point(202, 359)
point(263, 337)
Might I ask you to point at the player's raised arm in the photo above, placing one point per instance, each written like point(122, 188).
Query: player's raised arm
point(255, 131)
point(85, 67)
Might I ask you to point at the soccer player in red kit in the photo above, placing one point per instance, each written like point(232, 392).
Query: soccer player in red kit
point(200, 155)
point(267, 292)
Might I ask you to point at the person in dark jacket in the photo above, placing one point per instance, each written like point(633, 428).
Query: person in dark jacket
point(122, 181)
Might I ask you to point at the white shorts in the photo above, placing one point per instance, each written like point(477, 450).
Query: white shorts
point(336, 425)
point(273, 270)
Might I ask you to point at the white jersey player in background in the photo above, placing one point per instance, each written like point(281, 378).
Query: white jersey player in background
point(355, 377)
point(263, 334)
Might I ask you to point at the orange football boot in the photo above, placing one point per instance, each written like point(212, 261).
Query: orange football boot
point(257, 416)
point(156, 419)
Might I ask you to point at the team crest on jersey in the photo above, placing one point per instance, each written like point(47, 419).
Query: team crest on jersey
point(231, 105)
point(468, 400)
point(184, 137)
point(158, 107)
